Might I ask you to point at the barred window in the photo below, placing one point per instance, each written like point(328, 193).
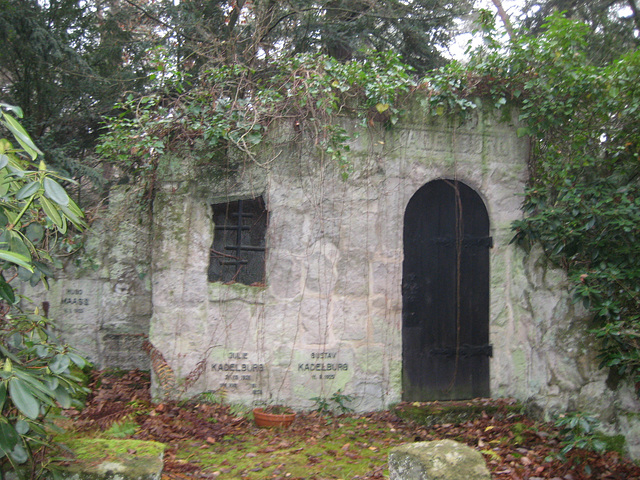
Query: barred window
point(238, 250)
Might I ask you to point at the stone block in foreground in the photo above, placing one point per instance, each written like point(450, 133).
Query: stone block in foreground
point(100, 459)
point(437, 460)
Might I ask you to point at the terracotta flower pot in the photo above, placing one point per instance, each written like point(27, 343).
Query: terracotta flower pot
point(266, 420)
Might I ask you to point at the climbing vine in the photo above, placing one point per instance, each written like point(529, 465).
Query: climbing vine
point(233, 107)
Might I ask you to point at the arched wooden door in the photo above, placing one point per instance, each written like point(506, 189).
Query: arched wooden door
point(445, 294)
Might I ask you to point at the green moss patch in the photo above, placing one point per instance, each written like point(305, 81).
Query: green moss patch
point(101, 458)
point(613, 443)
point(98, 448)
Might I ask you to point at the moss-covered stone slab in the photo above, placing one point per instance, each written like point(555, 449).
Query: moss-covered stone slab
point(438, 460)
point(456, 412)
point(102, 459)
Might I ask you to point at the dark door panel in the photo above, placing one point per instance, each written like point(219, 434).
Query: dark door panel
point(445, 290)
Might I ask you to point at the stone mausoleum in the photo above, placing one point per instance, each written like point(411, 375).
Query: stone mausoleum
point(278, 281)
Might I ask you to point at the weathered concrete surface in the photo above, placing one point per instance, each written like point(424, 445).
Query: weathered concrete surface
point(437, 460)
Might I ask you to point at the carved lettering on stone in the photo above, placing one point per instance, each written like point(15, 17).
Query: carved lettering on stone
point(323, 366)
point(74, 301)
point(240, 373)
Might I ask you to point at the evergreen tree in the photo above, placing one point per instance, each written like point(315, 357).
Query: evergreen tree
point(66, 63)
point(248, 32)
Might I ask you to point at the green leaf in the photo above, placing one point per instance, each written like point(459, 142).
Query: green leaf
point(19, 454)
point(73, 207)
point(17, 245)
point(43, 268)
point(522, 131)
point(22, 427)
point(24, 274)
point(7, 353)
point(52, 383)
point(63, 397)
point(28, 190)
point(52, 213)
point(37, 387)
point(4, 160)
point(55, 192)
point(36, 278)
point(15, 171)
point(23, 398)
point(35, 232)
point(59, 364)
point(77, 359)
point(42, 350)
point(16, 258)
point(22, 136)
point(12, 108)
point(6, 292)
point(9, 438)
point(15, 340)
point(73, 217)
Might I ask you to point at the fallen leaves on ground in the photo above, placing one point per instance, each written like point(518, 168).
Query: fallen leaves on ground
point(514, 446)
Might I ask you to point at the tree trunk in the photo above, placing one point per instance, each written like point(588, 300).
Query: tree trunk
point(634, 9)
point(505, 18)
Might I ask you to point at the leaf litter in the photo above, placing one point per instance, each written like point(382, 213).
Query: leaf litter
point(214, 440)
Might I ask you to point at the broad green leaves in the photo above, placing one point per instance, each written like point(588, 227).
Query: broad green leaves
point(20, 135)
point(28, 190)
point(23, 399)
point(54, 191)
point(59, 364)
point(24, 192)
point(9, 437)
point(35, 372)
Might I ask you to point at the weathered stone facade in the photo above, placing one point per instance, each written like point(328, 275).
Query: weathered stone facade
point(328, 317)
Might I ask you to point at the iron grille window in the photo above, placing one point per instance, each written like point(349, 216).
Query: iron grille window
point(237, 253)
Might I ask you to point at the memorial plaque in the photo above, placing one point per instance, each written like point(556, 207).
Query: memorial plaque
point(238, 373)
point(322, 366)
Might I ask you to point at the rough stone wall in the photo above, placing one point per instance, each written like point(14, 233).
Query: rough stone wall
point(553, 365)
point(101, 301)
